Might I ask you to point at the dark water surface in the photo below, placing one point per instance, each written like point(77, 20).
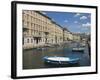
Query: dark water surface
point(33, 58)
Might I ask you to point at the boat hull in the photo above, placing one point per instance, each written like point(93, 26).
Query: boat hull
point(77, 50)
point(59, 62)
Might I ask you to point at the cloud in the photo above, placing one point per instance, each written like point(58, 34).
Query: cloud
point(83, 17)
point(75, 21)
point(87, 25)
point(65, 21)
point(77, 14)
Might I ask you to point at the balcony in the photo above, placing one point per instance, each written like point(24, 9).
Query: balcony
point(37, 34)
point(25, 28)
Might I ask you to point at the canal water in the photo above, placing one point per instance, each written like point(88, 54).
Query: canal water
point(33, 58)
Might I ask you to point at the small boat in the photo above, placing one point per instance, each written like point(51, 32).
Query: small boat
point(61, 60)
point(83, 44)
point(78, 49)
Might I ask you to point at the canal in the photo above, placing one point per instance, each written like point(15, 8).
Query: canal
point(33, 58)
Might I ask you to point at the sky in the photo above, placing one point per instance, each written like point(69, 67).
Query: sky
point(74, 22)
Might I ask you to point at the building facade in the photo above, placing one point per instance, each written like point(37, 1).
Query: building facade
point(68, 36)
point(39, 30)
point(76, 37)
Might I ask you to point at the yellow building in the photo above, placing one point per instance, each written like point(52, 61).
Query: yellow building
point(39, 30)
point(68, 36)
point(58, 33)
point(76, 37)
point(65, 34)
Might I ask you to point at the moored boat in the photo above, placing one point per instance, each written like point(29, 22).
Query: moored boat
point(83, 44)
point(78, 49)
point(61, 60)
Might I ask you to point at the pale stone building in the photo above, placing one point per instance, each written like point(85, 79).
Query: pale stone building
point(66, 35)
point(58, 34)
point(76, 37)
point(70, 36)
point(39, 30)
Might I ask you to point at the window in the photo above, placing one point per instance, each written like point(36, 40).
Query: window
point(27, 40)
point(27, 16)
point(31, 40)
point(27, 24)
point(32, 25)
point(23, 40)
